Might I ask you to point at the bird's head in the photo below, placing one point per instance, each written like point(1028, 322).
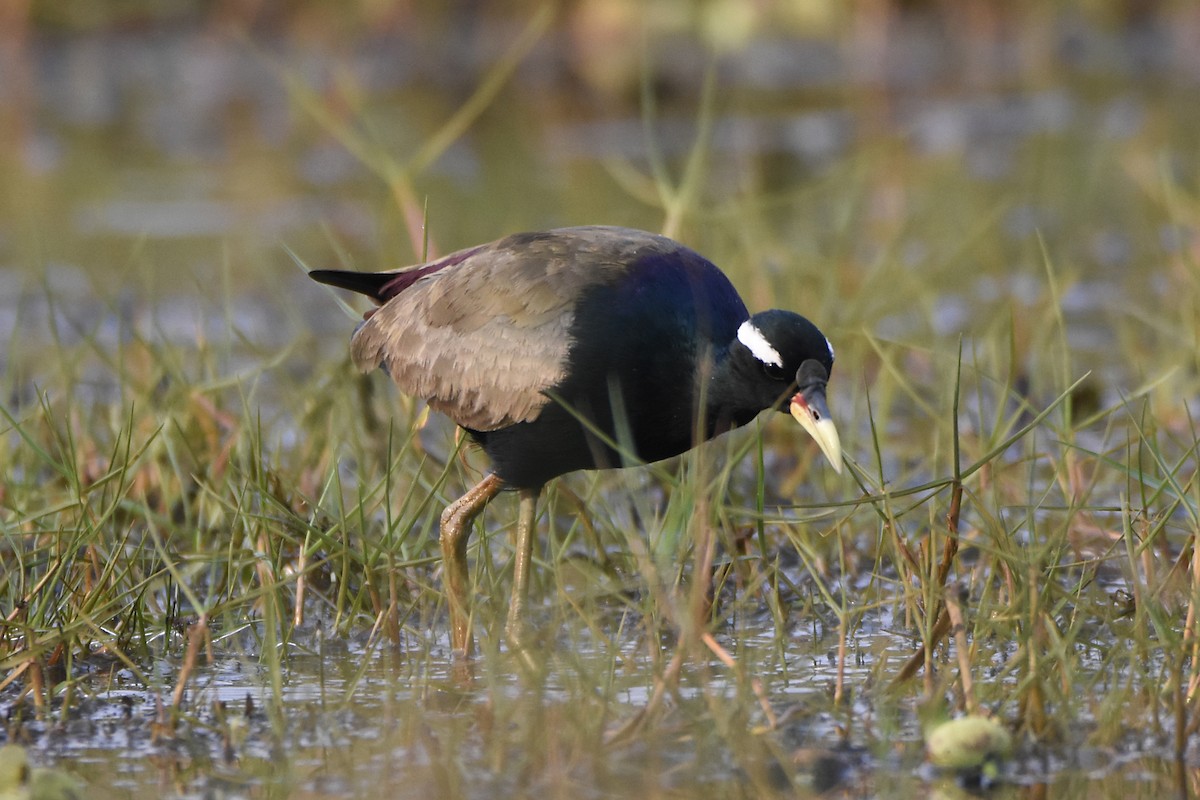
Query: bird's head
point(781, 358)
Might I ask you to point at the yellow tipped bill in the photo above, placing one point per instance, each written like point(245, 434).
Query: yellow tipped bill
point(809, 409)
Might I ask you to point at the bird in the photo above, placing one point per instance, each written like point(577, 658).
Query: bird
point(579, 348)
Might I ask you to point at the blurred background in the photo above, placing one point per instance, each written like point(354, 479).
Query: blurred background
point(159, 156)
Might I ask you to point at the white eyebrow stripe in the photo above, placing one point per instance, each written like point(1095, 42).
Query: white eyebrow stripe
point(758, 345)
point(829, 344)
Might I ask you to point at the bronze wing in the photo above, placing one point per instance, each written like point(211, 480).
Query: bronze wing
point(483, 333)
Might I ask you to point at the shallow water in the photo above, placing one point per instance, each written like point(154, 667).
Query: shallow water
point(380, 723)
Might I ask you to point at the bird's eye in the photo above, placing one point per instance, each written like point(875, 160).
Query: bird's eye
point(775, 372)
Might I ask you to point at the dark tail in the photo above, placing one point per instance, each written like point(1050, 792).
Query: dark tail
point(383, 286)
point(369, 283)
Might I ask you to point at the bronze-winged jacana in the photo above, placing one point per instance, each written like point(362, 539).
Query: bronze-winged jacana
point(580, 348)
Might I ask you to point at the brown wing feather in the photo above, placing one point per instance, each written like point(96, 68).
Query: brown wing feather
point(484, 338)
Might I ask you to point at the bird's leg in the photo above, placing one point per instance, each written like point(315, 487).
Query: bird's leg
point(524, 557)
point(455, 533)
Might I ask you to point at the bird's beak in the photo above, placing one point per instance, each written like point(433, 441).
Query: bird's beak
point(809, 408)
